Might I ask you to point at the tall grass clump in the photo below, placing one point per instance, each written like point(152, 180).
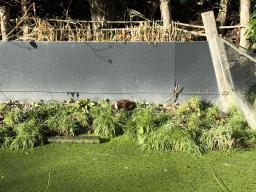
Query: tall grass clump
point(235, 132)
point(27, 128)
point(62, 122)
point(6, 136)
point(251, 94)
point(104, 122)
point(242, 133)
point(143, 119)
point(169, 138)
point(28, 134)
point(217, 138)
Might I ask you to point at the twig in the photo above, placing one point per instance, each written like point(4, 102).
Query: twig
point(19, 22)
point(219, 182)
point(48, 182)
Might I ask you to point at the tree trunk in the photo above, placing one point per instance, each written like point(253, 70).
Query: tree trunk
point(103, 10)
point(222, 16)
point(165, 8)
point(244, 19)
point(5, 21)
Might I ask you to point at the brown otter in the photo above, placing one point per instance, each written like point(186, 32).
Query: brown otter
point(122, 104)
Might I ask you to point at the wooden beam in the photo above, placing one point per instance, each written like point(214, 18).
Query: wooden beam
point(211, 34)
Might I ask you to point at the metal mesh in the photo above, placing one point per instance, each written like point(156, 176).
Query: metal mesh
point(241, 64)
point(239, 67)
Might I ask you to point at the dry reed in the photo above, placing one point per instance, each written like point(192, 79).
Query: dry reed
point(71, 30)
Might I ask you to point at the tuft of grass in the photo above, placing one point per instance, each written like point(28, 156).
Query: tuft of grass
point(217, 138)
point(169, 138)
point(28, 134)
point(104, 123)
point(251, 94)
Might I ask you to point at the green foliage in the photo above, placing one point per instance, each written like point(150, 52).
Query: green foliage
point(67, 121)
point(104, 103)
point(28, 135)
point(248, 138)
point(167, 138)
point(242, 133)
point(44, 111)
point(144, 120)
point(217, 138)
point(192, 127)
point(251, 32)
point(124, 121)
point(251, 94)
point(85, 105)
point(13, 117)
point(237, 120)
point(193, 122)
point(144, 105)
point(51, 117)
point(10, 119)
point(62, 122)
point(161, 118)
point(190, 115)
point(211, 114)
point(130, 129)
point(104, 122)
point(2, 107)
point(96, 111)
point(234, 133)
point(82, 119)
point(192, 106)
point(5, 136)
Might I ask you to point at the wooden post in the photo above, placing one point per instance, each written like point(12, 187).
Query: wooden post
point(25, 12)
point(5, 20)
point(165, 8)
point(222, 16)
point(244, 19)
point(211, 33)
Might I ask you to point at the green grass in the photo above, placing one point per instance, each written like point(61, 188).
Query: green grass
point(139, 150)
point(193, 127)
point(118, 165)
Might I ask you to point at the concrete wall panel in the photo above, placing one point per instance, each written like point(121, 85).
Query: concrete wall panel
point(99, 70)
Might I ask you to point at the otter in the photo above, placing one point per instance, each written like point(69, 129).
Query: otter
point(122, 104)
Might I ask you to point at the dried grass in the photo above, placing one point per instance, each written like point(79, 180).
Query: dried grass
point(70, 30)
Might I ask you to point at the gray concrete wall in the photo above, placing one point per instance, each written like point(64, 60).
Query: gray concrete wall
point(139, 71)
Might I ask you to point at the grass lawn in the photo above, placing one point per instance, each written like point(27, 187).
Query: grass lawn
point(117, 164)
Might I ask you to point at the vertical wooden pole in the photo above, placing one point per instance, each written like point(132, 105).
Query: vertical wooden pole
point(222, 16)
point(5, 20)
point(166, 15)
point(25, 12)
point(244, 19)
point(211, 33)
